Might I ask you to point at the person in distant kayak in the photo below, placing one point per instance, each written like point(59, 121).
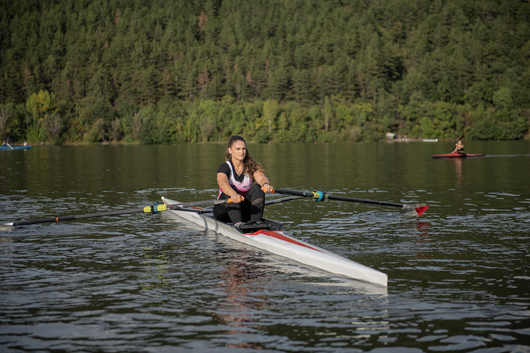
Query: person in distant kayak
point(4, 143)
point(236, 179)
point(459, 147)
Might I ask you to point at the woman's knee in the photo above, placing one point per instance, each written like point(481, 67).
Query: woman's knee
point(256, 190)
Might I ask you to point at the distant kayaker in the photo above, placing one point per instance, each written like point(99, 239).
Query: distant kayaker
point(459, 147)
point(236, 178)
point(25, 143)
point(4, 143)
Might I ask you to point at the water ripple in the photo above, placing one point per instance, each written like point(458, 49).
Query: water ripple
point(458, 276)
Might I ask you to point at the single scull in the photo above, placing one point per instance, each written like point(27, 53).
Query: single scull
point(275, 241)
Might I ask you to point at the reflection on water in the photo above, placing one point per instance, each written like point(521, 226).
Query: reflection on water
point(458, 276)
point(458, 172)
point(423, 239)
point(240, 278)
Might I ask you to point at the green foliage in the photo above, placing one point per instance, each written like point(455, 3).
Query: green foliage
point(39, 105)
point(199, 71)
point(491, 124)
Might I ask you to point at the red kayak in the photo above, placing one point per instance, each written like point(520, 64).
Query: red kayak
point(458, 155)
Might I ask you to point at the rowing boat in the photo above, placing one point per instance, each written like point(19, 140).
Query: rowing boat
point(458, 155)
point(15, 147)
point(275, 241)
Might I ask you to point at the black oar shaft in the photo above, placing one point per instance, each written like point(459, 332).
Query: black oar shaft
point(84, 216)
point(197, 204)
point(409, 210)
point(338, 198)
point(267, 203)
point(293, 192)
point(149, 209)
point(284, 199)
point(351, 199)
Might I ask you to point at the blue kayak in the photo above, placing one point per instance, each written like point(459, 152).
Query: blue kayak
point(15, 148)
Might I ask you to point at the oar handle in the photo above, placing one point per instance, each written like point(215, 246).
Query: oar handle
point(263, 189)
point(241, 198)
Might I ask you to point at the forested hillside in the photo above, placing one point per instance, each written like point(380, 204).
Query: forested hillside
point(177, 71)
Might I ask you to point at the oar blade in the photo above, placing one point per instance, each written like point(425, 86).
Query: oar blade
point(414, 210)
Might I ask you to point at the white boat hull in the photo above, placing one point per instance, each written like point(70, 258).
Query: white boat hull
point(281, 244)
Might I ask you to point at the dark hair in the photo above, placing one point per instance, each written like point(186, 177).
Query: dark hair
point(250, 165)
point(233, 139)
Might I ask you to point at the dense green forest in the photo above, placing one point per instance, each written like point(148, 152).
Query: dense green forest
point(178, 71)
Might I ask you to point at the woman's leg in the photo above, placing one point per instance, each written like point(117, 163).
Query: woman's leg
point(250, 209)
point(221, 213)
point(256, 197)
point(230, 212)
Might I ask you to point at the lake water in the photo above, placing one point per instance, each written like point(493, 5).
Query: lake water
point(459, 278)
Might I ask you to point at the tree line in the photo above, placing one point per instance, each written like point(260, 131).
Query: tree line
point(161, 71)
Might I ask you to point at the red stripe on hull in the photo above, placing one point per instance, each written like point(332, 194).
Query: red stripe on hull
point(282, 237)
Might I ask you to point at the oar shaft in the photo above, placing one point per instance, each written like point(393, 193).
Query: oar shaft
point(148, 209)
point(294, 192)
point(351, 199)
point(196, 204)
point(284, 199)
point(84, 216)
point(409, 210)
point(267, 203)
point(338, 198)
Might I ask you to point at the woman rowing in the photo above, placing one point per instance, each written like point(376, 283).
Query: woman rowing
point(236, 179)
point(459, 147)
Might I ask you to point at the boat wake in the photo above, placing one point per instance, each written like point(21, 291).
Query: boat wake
point(507, 155)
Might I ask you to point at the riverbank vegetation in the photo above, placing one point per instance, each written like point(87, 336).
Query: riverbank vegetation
point(153, 71)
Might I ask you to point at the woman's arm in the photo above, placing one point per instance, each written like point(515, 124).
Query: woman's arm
point(458, 146)
point(263, 181)
point(222, 181)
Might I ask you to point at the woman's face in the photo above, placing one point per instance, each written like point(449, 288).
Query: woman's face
point(238, 150)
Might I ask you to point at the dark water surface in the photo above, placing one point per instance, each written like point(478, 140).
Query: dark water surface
point(459, 278)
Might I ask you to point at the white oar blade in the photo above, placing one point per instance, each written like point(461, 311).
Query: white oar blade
point(415, 210)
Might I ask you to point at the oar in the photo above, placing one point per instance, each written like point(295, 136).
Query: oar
point(9, 146)
point(155, 208)
point(267, 203)
point(285, 199)
point(415, 210)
